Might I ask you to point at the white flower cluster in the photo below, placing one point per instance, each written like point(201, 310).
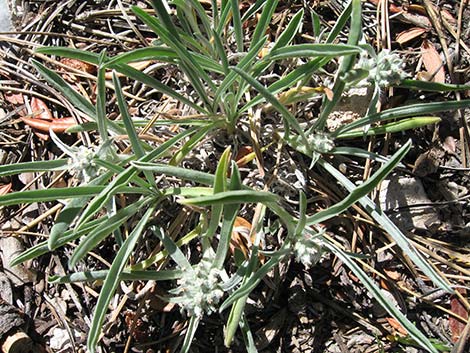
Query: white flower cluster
point(386, 68)
point(82, 163)
point(308, 250)
point(321, 142)
point(82, 159)
point(199, 289)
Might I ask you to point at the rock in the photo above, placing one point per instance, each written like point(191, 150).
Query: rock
point(398, 193)
point(10, 247)
point(11, 319)
point(5, 20)
point(6, 292)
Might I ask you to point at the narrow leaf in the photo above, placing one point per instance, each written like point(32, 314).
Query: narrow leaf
point(113, 279)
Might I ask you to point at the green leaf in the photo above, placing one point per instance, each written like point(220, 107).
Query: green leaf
point(264, 20)
point(402, 112)
point(68, 215)
point(432, 86)
point(220, 185)
point(237, 24)
point(232, 197)
point(30, 196)
point(316, 24)
point(126, 275)
point(314, 50)
point(234, 318)
point(130, 129)
point(302, 214)
point(362, 190)
point(72, 95)
point(175, 253)
point(101, 119)
point(390, 228)
point(154, 83)
point(131, 132)
point(161, 53)
point(113, 279)
point(98, 234)
point(220, 50)
point(341, 22)
point(346, 65)
point(142, 54)
point(179, 172)
point(27, 167)
point(393, 127)
point(248, 338)
point(361, 153)
point(252, 9)
point(191, 331)
point(203, 17)
point(169, 34)
point(224, 17)
point(230, 212)
point(73, 53)
point(290, 31)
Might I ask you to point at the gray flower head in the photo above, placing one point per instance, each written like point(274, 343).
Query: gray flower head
point(308, 250)
point(321, 142)
point(385, 68)
point(82, 159)
point(199, 289)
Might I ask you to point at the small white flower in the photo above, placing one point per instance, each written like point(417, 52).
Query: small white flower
point(200, 290)
point(321, 142)
point(308, 250)
point(82, 159)
point(386, 68)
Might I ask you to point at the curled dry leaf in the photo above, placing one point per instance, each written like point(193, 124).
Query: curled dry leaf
point(14, 98)
point(40, 109)
point(75, 64)
point(245, 155)
point(240, 236)
point(56, 125)
point(5, 189)
point(432, 62)
point(456, 326)
point(410, 34)
point(400, 330)
point(79, 65)
point(420, 9)
point(391, 7)
point(394, 275)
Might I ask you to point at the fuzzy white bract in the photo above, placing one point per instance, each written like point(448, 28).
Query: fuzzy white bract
point(308, 250)
point(321, 142)
point(199, 289)
point(82, 163)
point(82, 159)
point(386, 68)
